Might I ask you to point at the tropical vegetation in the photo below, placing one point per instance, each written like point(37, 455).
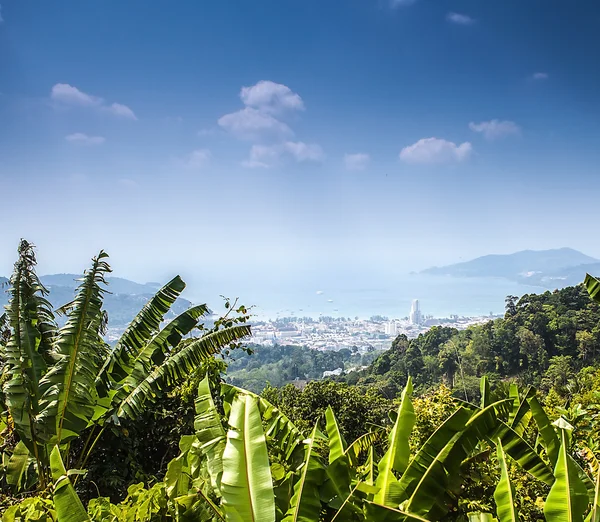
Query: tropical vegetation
point(81, 418)
point(543, 340)
point(63, 384)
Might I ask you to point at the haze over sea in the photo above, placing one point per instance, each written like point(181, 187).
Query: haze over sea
point(439, 296)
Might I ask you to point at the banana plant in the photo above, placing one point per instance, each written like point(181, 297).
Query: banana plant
point(332, 478)
point(60, 382)
point(325, 480)
point(568, 499)
point(241, 470)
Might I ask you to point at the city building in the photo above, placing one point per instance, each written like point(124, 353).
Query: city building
point(391, 328)
point(415, 313)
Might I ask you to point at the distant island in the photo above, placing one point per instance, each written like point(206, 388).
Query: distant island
point(550, 269)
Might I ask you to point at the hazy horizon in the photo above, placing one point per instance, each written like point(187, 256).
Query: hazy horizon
point(348, 293)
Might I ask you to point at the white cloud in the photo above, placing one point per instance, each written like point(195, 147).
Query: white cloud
point(198, 159)
point(1, 19)
point(68, 95)
point(252, 124)
point(435, 150)
point(266, 156)
point(260, 121)
point(304, 152)
point(319, 292)
point(540, 76)
point(80, 137)
point(495, 128)
point(262, 156)
point(460, 19)
point(357, 161)
point(271, 97)
point(119, 109)
point(257, 121)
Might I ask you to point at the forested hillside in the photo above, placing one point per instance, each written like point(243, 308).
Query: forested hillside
point(543, 340)
point(282, 364)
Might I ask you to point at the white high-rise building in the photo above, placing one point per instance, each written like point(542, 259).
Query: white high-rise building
point(415, 313)
point(391, 328)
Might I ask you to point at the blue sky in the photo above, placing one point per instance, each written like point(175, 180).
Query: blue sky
point(231, 140)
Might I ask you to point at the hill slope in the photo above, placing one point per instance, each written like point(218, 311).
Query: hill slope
point(548, 268)
point(125, 299)
point(543, 340)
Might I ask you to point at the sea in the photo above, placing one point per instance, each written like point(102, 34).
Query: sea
point(439, 296)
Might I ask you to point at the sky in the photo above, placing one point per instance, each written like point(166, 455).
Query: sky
point(235, 141)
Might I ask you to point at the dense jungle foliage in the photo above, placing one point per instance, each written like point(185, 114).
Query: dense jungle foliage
point(149, 430)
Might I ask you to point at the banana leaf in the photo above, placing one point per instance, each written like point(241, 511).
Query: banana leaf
point(246, 485)
point(522, 453)
point(504, 495)
point(210, 433)
point(594, 514)
point(68, 505)
point(486, 393)
point(136, 336)
point(593, 287)
point(397, 456)
point(279, 429)
point(362, 445)
point(68, 389)
point(26, 351)
point(18, 467)
point(339, 473)
point(568, 497)
point(305, 505)
point(337, 444)
point(426, 473)
point(522, 416)
point(548, 435)
point(442, 470)
point(177, 367)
